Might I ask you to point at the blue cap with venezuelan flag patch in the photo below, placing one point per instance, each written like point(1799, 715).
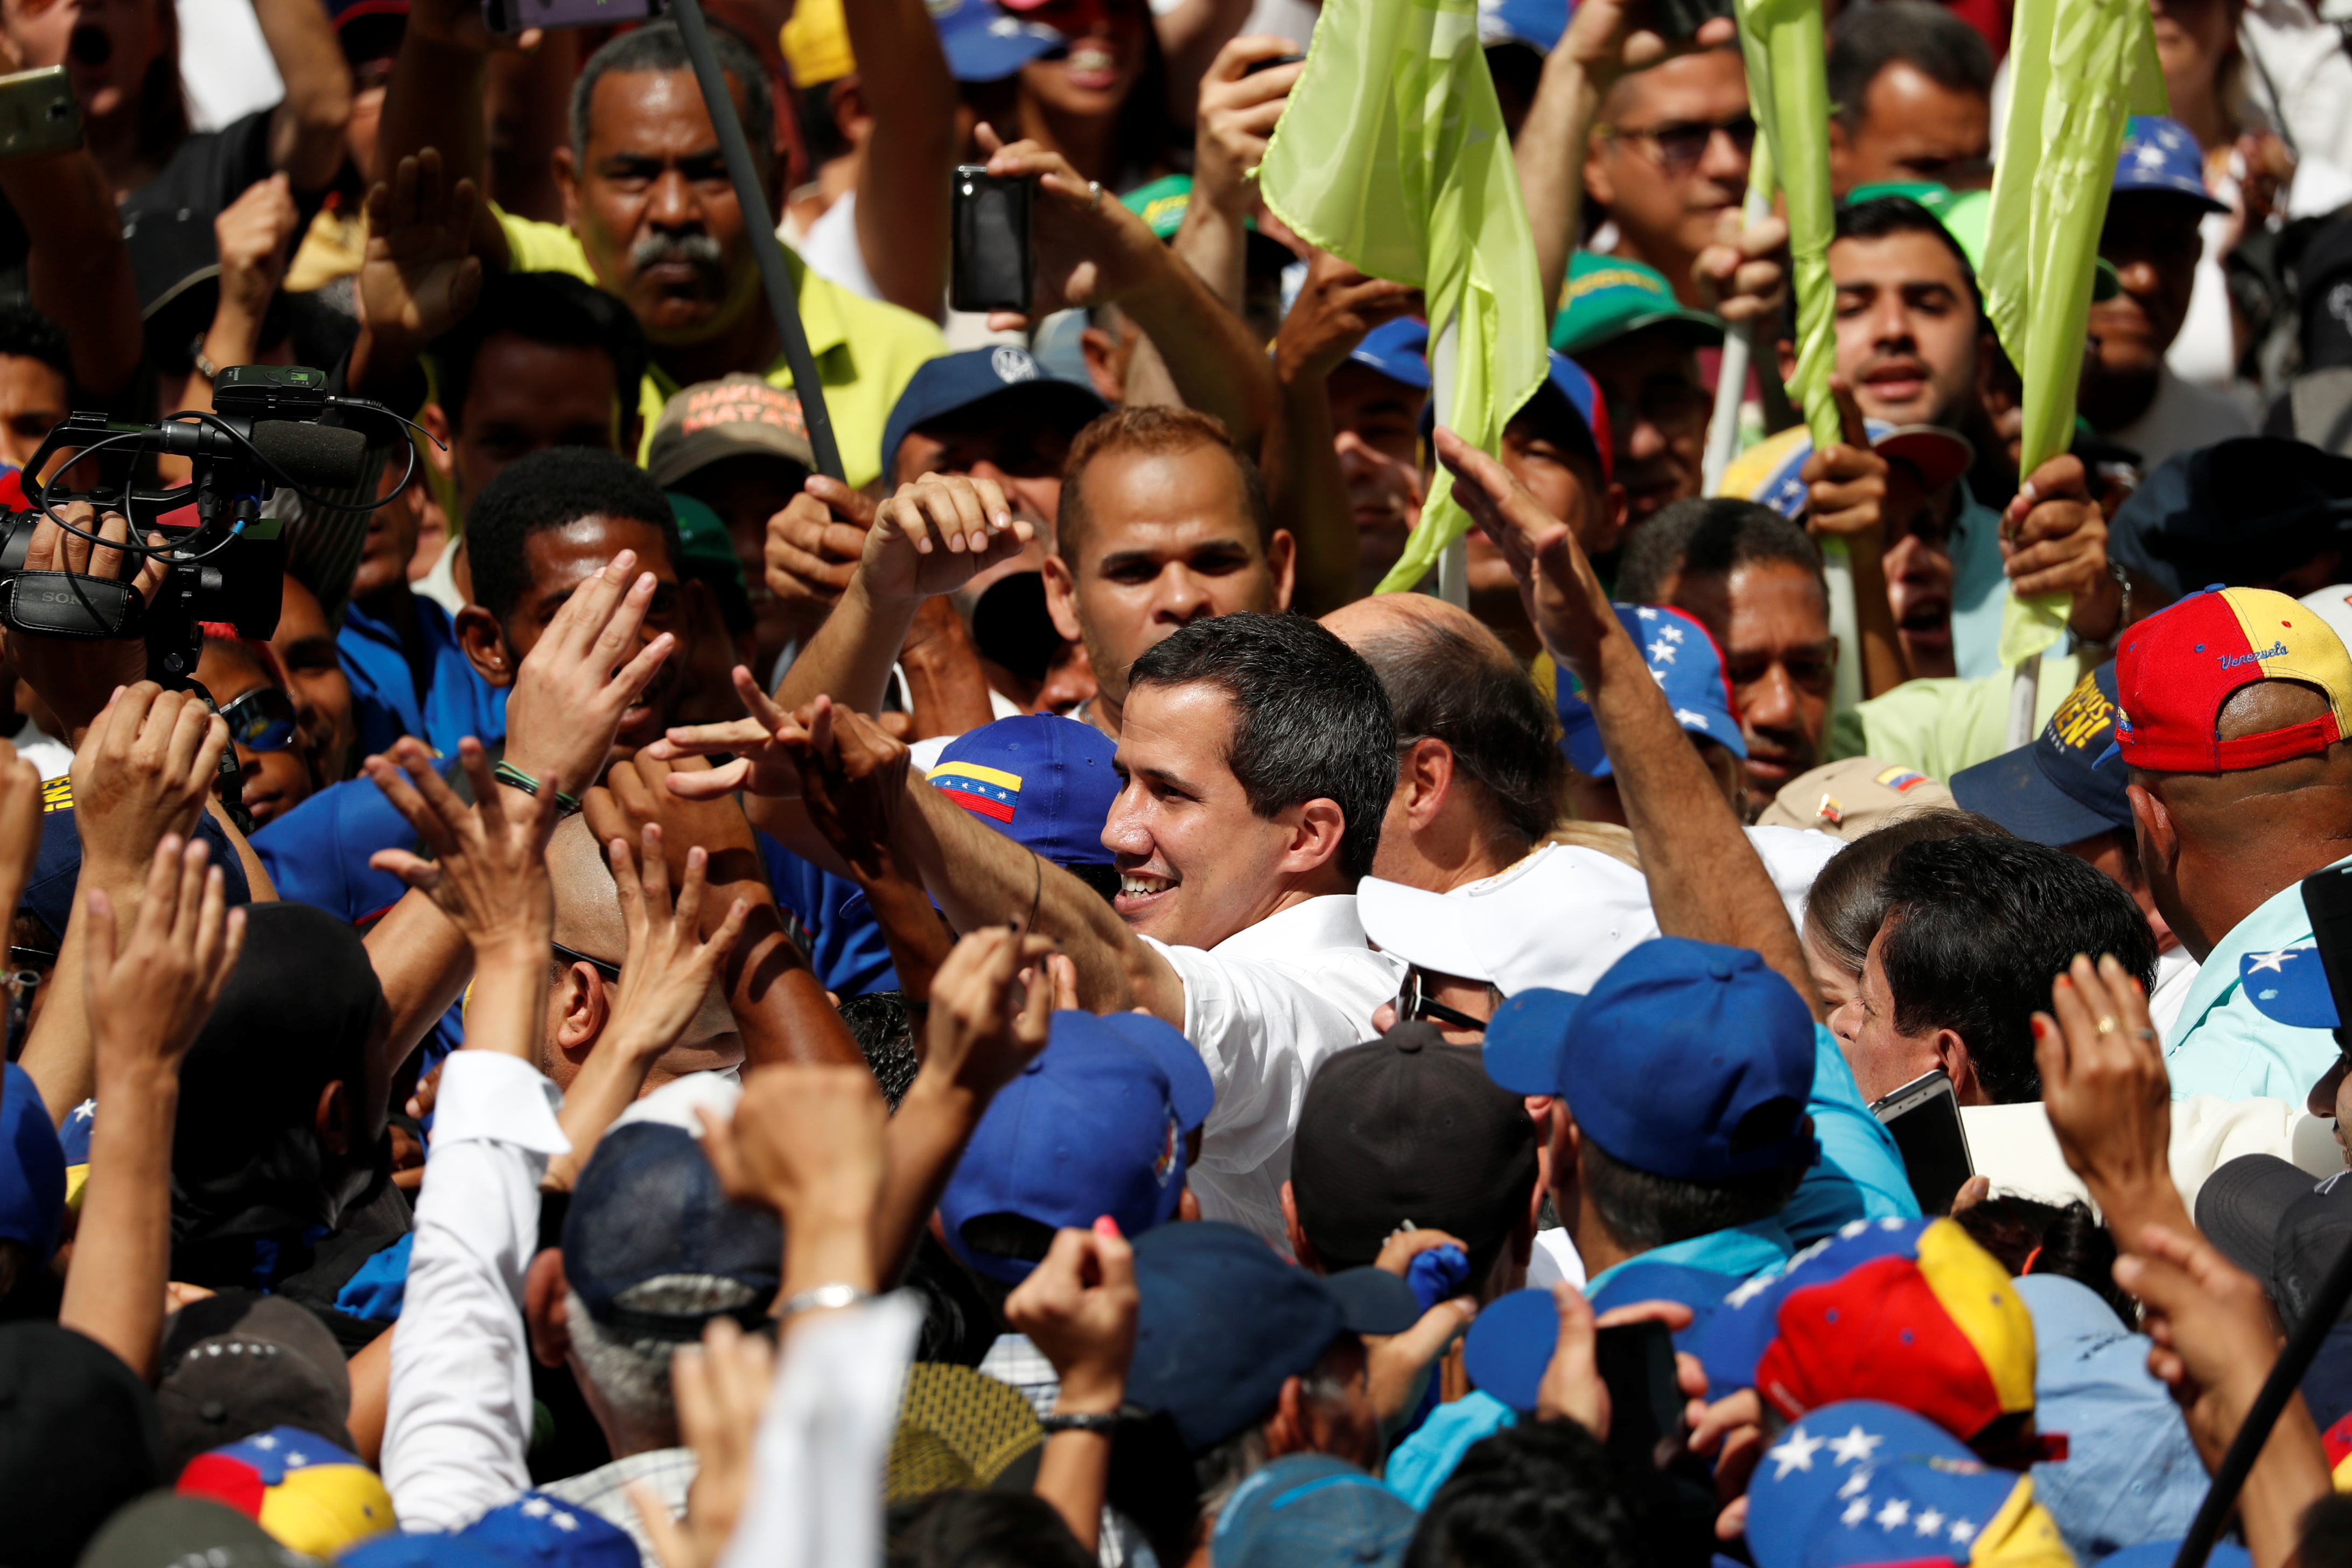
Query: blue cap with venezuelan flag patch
point(1861, 1482)
point(1045, 782)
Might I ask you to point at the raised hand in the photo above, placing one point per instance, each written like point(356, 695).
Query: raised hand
point(1745, 272)
point(985, 1024)
point(141, 773)
point(417, 278)
point(669, 965)
point(580, 678)
point(813, 545)
point(488, 870)
point(853, 787)
point(150, 988)
point(720, 1387)
point(1846, 482)
point(937, 534)
point(807, 1142)
point(1078, 1306)
point(1090, 248)
point(635, 796)
point(1610, 37)
point(254, 235)
point(1558, 586)
point(2107, 1095)
point(1336, 307)
point(1238, 109)
point(2054, 540)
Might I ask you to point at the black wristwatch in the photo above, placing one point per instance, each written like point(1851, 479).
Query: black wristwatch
point(1101, 1424)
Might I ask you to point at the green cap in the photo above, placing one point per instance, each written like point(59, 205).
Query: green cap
point(1966, 216)
point(1162, 203)
point(1607, 297)
point(703, 538)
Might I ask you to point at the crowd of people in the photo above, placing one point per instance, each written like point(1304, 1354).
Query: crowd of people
point(676, 1009)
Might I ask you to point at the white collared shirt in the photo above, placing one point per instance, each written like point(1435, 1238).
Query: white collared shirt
point(1265, 1007)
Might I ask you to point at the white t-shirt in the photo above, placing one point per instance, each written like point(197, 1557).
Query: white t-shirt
point(1265, 1007)
point(2176, 972)
point(2182, 418)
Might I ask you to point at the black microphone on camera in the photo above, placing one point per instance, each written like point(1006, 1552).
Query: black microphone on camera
point(316, 456)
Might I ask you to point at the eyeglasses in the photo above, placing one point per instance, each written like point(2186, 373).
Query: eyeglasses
point(606, 967)
point(1414, 1003)
point(1681, 143)
point(261, 720)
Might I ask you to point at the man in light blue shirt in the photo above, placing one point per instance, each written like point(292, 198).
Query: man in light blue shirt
point(2237, 705)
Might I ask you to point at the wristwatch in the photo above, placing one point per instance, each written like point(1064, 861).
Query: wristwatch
point(204, 367)
point(1100, 1423)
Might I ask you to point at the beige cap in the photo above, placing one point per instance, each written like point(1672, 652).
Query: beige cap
point(738, 416)
point(1858, 795)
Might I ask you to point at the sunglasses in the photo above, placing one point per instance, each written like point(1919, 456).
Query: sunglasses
point(604, 966)
point(1414, 1003)
point(261, 720)
point(1681, 143)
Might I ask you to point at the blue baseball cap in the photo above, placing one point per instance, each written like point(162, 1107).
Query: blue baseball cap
point(1225, 1322)
point(984, 43)
point(1398, 350)
point(545, 1532)
point(2289, 986)
point(2069, 783)
point(1094, 1125)
point(1865, 1482)
point(1686, 664)
point(1045, 782)
point(1732, 1037)
point(1308, 1510)
point(648, 1204)
point(1536, 23)
point(2161, 155)
point(1568, 399)
point(32, 1168)
point(1934, 455)
point(952, 383)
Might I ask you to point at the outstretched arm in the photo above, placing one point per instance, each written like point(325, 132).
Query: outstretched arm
point(902, 211)
point(306, 131)
point(435, 100)
point(1705, 878)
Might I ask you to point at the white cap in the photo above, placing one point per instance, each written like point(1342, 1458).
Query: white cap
point(1558, 917)
point(674, 1103)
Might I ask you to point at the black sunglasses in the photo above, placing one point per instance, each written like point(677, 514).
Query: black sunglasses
point(606, 967)
point(1414, 1002)
point(261, 720)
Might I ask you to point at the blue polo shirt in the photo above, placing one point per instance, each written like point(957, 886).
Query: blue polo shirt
point(457, 702)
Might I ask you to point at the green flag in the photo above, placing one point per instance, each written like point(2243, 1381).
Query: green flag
point(1788, 83)
point(2080, 68)
point(1391, 156)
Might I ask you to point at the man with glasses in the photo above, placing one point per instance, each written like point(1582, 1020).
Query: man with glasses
point(1668, 158)
point(1620, 321)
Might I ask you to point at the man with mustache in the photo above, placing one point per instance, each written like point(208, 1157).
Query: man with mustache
point(651, 216)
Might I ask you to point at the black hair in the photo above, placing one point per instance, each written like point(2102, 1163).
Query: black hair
point(1848, 900)
point(1646, 1210)
point(26, 333)
point(2326, 1531)
point(553, 488)
point(1920, 34)
point(2029, 1237)
point(659, 47)
point(1882, 217)
point(552, 308)
point(814, 110)
point(959, 1529)
point(883, 1029)
point(1529, 1496)
point(1703, 536)
point(1312, 721)
point(1975, 930)
point(1444, 685)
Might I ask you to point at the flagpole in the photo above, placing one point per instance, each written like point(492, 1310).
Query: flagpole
point(1739, 345)
point(1453, 560)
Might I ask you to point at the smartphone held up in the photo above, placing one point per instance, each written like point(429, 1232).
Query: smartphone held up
point(993, 262)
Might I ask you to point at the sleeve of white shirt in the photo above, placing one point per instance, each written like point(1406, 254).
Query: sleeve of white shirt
point(1262, 1035)
point(458, 1424)
point(817, 1478)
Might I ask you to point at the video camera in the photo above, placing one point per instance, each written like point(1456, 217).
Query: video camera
point(265, 431)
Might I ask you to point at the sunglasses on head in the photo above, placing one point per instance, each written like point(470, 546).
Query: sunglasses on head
point(261, 720)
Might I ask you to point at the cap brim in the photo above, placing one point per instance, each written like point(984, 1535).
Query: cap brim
point(1525, 1039)
point(1189, 1091)
point(979, 55)
point(1936, 455)
point(1426, 929)
point(1373, 1300)
point(2240, 1205)
point(2013, 792)
point(1510, 1344)
point(1703, 330)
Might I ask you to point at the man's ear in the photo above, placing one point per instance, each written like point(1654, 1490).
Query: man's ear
point(1287, 1430)
point(1315, 836)
point(1952, 1055)
point(1062, 598)
point(1282, 560)
point(485, 642)
point(1187, 1206)
point(1299, 1245)
point(2152, 825)
point(567, 179)
point(1599, 188)
point(543, 1309)
point(1426, 775)
point(332, 1118)
point(1841, 151)
point(439, 456)
point(587, 1009)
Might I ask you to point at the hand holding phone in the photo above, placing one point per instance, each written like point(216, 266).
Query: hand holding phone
point(1924, 1118)
point(994, 256)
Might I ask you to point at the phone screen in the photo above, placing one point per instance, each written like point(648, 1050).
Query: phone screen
point(991, 241)
point(1925, 1123)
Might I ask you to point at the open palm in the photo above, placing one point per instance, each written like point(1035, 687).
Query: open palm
point(416, 279)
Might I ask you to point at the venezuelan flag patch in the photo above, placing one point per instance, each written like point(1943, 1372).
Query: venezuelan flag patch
point(990, 791)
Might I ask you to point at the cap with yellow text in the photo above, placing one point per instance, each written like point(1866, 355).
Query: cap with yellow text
point(2176, 669)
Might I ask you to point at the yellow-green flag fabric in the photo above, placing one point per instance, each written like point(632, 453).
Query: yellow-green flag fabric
point(1788, 83)
point(2081, 67)
point(1391, 156)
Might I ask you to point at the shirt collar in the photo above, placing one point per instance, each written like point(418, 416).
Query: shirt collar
point(1325, 921)
point(2279, 921)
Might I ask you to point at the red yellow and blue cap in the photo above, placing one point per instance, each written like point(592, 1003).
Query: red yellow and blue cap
point(2177, 667)
point(1045, 782)
point(1911, 1311)
point(309, 1494)
point(1860, 1482)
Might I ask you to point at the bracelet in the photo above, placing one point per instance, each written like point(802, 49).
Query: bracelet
point(1101, 1424)
point(824, 1298)
point(513, 777)
point(204, 367)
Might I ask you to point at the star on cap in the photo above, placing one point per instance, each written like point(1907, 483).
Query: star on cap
point(2150, 156)
point(265, 1442)
point(2274, 961)
point(1857, 1482)
point(1856, 1512)
point(1748, 1290)
point(537, 1507)
point(1856, 1447)
point(1687, 716)
point(563, 1521)
point(1930, 1522)
point(296, 1460)
point(1671, 632)
point(1657, 675)
point(1646, 613)
point(1795, 1454)
point(1963, 1530)
point(1895, 1514)
point(1661, 650)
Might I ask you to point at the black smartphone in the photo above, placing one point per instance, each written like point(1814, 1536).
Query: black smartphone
point(508, 17)
point(1678, 20)
point(1926, 1122)
point(2327, 900)
point(990, 232)
point(1256, 65)
point(1668, 1488)
point(1637, 1362)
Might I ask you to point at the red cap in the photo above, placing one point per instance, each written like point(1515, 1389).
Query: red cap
point(2177, 667)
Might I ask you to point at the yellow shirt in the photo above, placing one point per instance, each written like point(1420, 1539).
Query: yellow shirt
point(866, 351)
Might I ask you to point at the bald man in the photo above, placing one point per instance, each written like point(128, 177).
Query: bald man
point(588, 924)
point(1478, 765)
